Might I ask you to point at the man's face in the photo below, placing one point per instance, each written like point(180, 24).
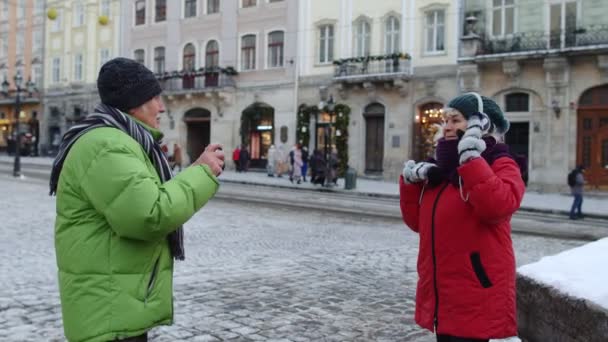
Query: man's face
point(149, 112)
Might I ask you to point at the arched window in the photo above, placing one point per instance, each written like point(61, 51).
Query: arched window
point(392, 35)
point(212, 54)
point(517, 102)
point(275, 49)
point(189, 57)
point(248, 52)
point(362, 38)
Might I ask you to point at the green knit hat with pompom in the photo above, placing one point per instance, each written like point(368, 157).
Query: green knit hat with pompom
point(468, 105)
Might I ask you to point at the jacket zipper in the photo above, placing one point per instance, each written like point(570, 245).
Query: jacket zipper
point(152, 280)
point(435, 316)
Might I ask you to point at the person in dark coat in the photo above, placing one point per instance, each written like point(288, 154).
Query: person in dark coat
point(317, 168)
point(461, 203)
point(304, 163)
point(244, 158)
point(577, 193)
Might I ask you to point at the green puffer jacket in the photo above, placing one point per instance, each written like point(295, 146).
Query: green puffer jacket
point(113, 218)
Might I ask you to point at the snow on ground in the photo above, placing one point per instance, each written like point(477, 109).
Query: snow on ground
point(578, 272)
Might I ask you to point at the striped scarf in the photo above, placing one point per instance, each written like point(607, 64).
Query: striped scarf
point(107, 116)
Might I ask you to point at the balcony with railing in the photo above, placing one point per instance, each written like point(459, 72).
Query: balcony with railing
point(372, 68)
point(199, 81)
point(537, 42)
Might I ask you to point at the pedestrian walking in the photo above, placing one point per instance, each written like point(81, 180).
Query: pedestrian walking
point(297, 164)
point(236, 154)
point(177, 157)
point(576, 181)
point(461, 203)
point(120, 213)
point(305, 158)
point(317, 168)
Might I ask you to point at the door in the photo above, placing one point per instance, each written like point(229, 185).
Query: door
point(374, 143)
point(199, 133)
point(593, 146)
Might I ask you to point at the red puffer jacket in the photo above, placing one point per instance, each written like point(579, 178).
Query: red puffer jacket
point(466, 265)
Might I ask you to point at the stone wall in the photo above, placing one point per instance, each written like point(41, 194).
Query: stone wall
point(545, 314)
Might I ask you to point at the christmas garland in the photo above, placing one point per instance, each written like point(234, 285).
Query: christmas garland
point(342, 115)
point(200, 72)
point(392, 56)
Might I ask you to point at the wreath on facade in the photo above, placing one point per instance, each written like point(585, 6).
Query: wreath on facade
point(391, 56)
point(342, 114)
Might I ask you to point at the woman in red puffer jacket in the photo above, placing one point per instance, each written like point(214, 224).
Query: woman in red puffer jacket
point(461, 204)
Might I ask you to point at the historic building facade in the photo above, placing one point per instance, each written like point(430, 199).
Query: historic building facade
point(393, 63)
point(546, 63)
point(80, 36)
point(21, 53)
point(227, 69)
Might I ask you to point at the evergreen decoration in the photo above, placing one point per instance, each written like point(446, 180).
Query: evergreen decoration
point(342, 120)
point(391, 56)
point(200, 72)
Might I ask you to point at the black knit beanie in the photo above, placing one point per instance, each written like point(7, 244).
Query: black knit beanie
point(467, 105)
point(126, 84)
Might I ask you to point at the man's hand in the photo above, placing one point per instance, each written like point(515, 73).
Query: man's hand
point(213, 156)
point(471, 145)
point(416, 172)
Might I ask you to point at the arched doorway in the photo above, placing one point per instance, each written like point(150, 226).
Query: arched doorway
point(592, 135)
point(374, 137)
point(257, 132)
point(427, 125)
point(198, 122)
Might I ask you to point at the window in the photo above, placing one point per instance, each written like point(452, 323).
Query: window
point(213, 6)
point(4, 47)
point(248, 52)
point(4, 13)
point(326, 44)
point(37, 75)
point(20, 45)
point(78, 11)
point(56, 70)
point(20, 9)
point(517, 102)
point(189, 57)
point(104, 56)
point(249, 3)
point(435, 31)
point(140, 12)
point(275, 49)
point(189, 8)
point(39, 7)
point(78, 67)
point(36, 40)
point(212, 54)
point(159, 60)
point(57, 24)
point(105, 8)
point(391, 38)
point(562, 24)
point(160, 10)
point(503, 17)
point(362, 38)
point(140, 56)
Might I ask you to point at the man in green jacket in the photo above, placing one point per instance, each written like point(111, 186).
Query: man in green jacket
point(120, 211)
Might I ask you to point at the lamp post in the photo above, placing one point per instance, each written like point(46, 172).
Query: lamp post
point(6, 92)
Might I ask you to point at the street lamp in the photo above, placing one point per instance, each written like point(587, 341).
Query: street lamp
point(29, 88)
point(328, 140)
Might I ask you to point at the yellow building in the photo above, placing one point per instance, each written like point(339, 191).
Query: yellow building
point(81, 35)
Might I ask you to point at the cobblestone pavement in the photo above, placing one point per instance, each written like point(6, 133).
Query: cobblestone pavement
point(251, 273)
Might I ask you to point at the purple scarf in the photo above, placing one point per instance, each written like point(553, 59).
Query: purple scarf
point(448, 161)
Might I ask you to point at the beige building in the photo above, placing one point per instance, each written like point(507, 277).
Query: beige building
point(394, 100)
point(546, 63)
point(80, 36)
point(21, 52)
point(197, 47)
